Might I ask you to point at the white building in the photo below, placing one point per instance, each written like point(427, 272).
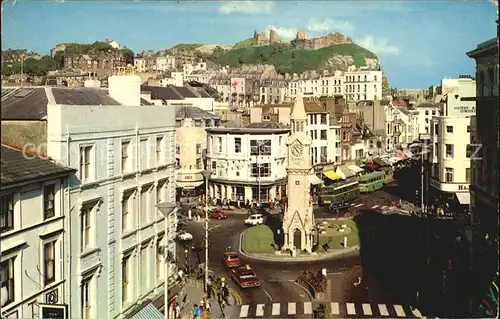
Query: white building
point(33, 220)
point(323, 149)
point(175, 79)
point(178, 95)
point(401, 127)
point(425, 113)
point(188, 68)
point(246, 160)
point(190, 148)
point(273, 91)
point(165, 62)
point(451, 136)
point(140, 64)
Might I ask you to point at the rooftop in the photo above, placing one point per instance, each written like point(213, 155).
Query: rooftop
point(248, 130)
point(17, 167)
point(182, 112)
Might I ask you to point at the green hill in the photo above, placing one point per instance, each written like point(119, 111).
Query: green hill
point(187, 46)
point(243, 44)
point(287, 59)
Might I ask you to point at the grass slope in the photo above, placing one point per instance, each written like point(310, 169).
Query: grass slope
point(243, 44)
point(187, 46)
point(287, 59)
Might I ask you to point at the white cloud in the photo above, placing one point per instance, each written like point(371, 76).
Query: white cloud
point(328, 25)
point(284, 33)
point(378, 45)
point(247, 7)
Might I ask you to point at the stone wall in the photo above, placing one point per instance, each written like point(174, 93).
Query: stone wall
point(29, 134)
point(317, 43)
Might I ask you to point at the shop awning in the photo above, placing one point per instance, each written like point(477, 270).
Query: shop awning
point(332, 175)
point(314, 180)
point(393, 159)
point(346, 172)
point(148, 312)
point(463, 198)
point(355, 169)
point(408, 154)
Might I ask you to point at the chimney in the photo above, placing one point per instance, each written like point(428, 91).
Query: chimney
point(125, 89)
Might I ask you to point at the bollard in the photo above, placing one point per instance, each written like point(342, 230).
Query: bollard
point(345, 241)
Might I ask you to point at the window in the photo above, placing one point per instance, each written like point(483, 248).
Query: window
point(126, 215)
point(426, 112)
point(436, 129)
point(468, 128)
point(198, 149)
point(323, 118)
point(449, 129)
point(125, 279)
point(449, 150)
point(125, 156)
point(260, 147)
point(323, 154)
point(144, 214)
point(261, 170)
point(177, 149)
point(433, 112)
point(197, 123)
point(144, 266)
point(426, 121)
point(468, 150)
point(178, 123)
point(237, 144)
point(214, 165)
point(159, 259)
point(7, 280)
point(323, 134)
point(467, 175)
point(297, 183)
point(159, 192)
point(208, 123)
point(491, 80)
point(48, 201)
point(144, 156)
point(49, 258)
point(159, 150)
point(449, 174)
point(199, 163)
point(85, 153)
point(86, 224)
point(86, 295)
point(6, 213)
point(219, 144)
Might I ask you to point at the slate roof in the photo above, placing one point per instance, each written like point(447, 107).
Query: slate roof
point(16, 168)
point(264, 125)
point(25, 104)
point(82, 96)
point(192, 112)
point(145, 102)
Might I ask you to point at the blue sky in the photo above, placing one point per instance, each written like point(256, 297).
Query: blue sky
point(418, 42)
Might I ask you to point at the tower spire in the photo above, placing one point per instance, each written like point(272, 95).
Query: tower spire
point(298, 111)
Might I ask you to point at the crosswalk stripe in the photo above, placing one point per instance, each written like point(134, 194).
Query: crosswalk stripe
point(399, 310)
point(353, 204)
point(351, 309)
point(260, 310)
point(335, 308)
point(359, 205)
point(276, 309)
point(308, 309)
point(291, 308)
point(244, 311)
point(417, 313)
point(367, 310)
point(375, 206)
point(383, 310)
point(383, 207)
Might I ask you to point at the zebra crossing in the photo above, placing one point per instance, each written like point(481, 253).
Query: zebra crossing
point(378, 206)
point(355, 205)
point(339, 309)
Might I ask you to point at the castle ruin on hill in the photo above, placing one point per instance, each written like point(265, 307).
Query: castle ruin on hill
point(301, 41)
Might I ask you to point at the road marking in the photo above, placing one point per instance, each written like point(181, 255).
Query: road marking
point(353, 204)
point(367, 310)
point(383, 207)
point(236, 296)
point(373, 207)
point(216, 226)
point(359, 205)
point(335, 273)
point(417, 313)
point(260, 310)
point(351, 309)
point(244, 311)
point(383, 310)
point(399, 310)
point(335, 308)
point(308, 310)
point(276, 309)
point(268, 295)
point(291, 308)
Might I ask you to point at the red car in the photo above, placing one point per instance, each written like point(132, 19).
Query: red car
point(231, 260)
point(244, 277)
point(218, 214)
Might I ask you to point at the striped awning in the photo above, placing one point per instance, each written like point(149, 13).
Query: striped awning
point(314, 180)
point(355, 168)
point(332, 175)
point(148, 312)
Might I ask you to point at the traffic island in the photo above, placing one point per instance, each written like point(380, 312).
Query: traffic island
point(258, 240)
point(337, 235)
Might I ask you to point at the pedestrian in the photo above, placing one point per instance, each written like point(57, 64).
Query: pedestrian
point(205, 314)
point(207, 306)
point(196, 312)
point(209, 288)
point(202, 304)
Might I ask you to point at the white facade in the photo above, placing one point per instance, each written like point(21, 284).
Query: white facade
point(164, 63)
point(234, 156)
point(33, 265)
point(451, 154)
point(175, 79)
point(453, 90)
point(323, 148)
point(125, 168)
point(140, 64)
point(425, 113)
point(188, 68)
point(401, 127)
point(273, 94)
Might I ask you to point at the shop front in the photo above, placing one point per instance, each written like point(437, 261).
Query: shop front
point(240, 194)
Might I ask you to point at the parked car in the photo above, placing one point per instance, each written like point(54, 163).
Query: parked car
point(231, 260)
point(339, 207)
point(255, 219)
point(184, 235)
point(218, 214)
point(244, 277)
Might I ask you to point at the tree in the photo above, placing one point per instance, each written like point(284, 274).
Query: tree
point(59, 59)
point(128, 55)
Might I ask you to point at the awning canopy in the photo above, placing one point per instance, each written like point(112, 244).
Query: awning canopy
point(332, 175)
point(355, 169)
point(148, 312)
point(393, 159)
point(408, 154)
point(314, 180)
point(345, 172)
point(463, 198)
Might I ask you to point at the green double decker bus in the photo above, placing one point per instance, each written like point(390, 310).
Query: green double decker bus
point(339, 192)
point(371, 182)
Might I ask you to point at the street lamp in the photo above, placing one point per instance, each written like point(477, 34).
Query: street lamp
point(206, 174)
point(166, 209)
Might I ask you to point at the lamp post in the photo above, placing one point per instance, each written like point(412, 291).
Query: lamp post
point(166, 209)
point(206, 175)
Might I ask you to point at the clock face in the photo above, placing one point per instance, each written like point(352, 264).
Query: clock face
point(297, 149)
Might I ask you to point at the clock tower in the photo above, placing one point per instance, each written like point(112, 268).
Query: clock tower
point(298, 221)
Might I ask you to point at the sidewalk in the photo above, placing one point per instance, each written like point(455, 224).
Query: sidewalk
point(195, 292)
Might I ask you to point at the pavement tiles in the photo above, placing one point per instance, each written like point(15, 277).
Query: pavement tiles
point(340, 309)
